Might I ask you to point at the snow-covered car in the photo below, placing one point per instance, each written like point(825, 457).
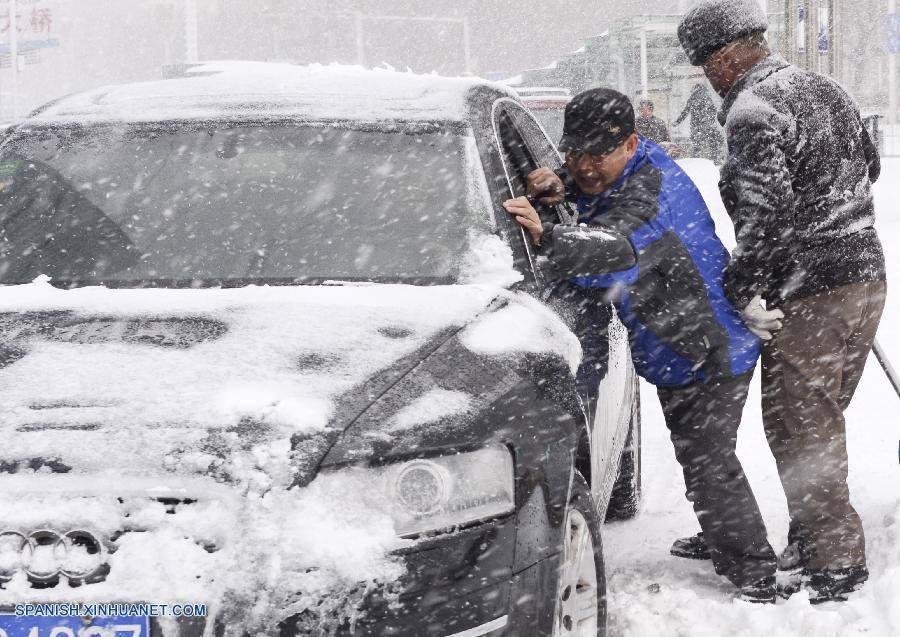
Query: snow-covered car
point(272, 352)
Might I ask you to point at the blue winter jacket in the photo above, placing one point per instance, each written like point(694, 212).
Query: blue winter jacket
point(681, 326)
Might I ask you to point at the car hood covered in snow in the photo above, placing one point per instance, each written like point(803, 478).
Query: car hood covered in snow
point(143, 382)
point(177, 425)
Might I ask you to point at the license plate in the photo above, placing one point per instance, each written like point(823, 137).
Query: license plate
point(12, 626)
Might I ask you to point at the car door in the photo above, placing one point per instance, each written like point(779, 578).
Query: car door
point(524, 147)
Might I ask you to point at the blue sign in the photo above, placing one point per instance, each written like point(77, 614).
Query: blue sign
point(29, 45)
point(893, 26)
point(894, 22)
point(823, 40)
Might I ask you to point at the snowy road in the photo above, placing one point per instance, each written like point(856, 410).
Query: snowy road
point(653, 594)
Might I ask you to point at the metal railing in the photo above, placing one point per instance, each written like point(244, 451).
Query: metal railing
point(890, 141)
point(885, 136)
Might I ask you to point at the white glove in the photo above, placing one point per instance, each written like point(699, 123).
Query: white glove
point(759, 320)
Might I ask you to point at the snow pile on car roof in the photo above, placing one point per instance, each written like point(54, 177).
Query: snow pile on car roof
point(256, 89)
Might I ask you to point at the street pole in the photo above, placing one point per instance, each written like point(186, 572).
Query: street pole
point(360, 38)
point(467, 44)
point(645, 81)
point(192, 46)
point(14, 57)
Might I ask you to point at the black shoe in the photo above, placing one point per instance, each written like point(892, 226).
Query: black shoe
point(759, 592)
point(833, 585)
point(692, 548)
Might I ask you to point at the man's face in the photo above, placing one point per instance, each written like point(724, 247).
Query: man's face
point(722, 69)
point(646, 111)
point(594, 174)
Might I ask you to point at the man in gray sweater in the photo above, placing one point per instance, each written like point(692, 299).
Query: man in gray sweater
point(797, 184)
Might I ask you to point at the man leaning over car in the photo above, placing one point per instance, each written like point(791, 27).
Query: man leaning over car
point(686, 338)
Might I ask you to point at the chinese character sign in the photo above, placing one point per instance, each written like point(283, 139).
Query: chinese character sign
point(41, 20)
point(34, 27)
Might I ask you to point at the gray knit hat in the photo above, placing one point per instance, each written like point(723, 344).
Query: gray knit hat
point(711, 24)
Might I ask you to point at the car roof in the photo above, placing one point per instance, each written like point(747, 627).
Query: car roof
point(543, 91)
point(237, 90)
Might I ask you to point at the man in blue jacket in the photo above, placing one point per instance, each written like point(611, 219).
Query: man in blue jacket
point(686, 338)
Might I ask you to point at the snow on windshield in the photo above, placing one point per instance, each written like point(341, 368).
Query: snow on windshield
point(240, 202)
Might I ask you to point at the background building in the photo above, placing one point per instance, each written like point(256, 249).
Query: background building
point(88, 43)
point(855, 41)
point(63, 46)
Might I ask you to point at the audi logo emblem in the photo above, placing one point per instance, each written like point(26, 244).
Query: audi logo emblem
point(46, 554)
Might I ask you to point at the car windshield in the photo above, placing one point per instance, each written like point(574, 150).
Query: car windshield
point(229, 204)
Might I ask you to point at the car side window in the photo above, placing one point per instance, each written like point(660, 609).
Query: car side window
point(519, 160)
point(517, 163)
point(543, 153)
point(517, 156)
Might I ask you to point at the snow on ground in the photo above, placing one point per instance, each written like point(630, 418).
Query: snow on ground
point(652, 593)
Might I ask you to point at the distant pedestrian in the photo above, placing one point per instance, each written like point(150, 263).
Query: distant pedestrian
point(707, 138)
point(649, 126)
point(797, 183)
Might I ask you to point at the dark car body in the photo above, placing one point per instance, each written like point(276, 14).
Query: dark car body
point(490, 576)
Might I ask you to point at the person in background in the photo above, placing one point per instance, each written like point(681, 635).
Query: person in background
point(649, 125)
point(685, 337)
point(797, 184)
point(707, 139)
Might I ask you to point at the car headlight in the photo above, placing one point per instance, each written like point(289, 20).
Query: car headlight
point(447, 491)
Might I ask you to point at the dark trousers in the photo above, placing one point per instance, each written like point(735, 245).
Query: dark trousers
point(703, 420)
point(810, 372)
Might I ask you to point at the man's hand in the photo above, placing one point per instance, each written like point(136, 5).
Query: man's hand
point(545, 186)
point(759, 320)
point(527, 217)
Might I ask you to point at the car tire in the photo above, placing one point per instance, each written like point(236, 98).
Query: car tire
point(625, 499)
point(581, 591)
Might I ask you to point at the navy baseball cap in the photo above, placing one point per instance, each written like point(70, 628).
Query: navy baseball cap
point(597, 122)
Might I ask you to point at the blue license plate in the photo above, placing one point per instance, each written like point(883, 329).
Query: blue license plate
point(12, 626)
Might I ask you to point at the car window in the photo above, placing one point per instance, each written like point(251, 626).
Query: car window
point(184, 202)
point(517, 155)
point(551, 119)
point(544, 153)
point(542, 149)
point(526, 148)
